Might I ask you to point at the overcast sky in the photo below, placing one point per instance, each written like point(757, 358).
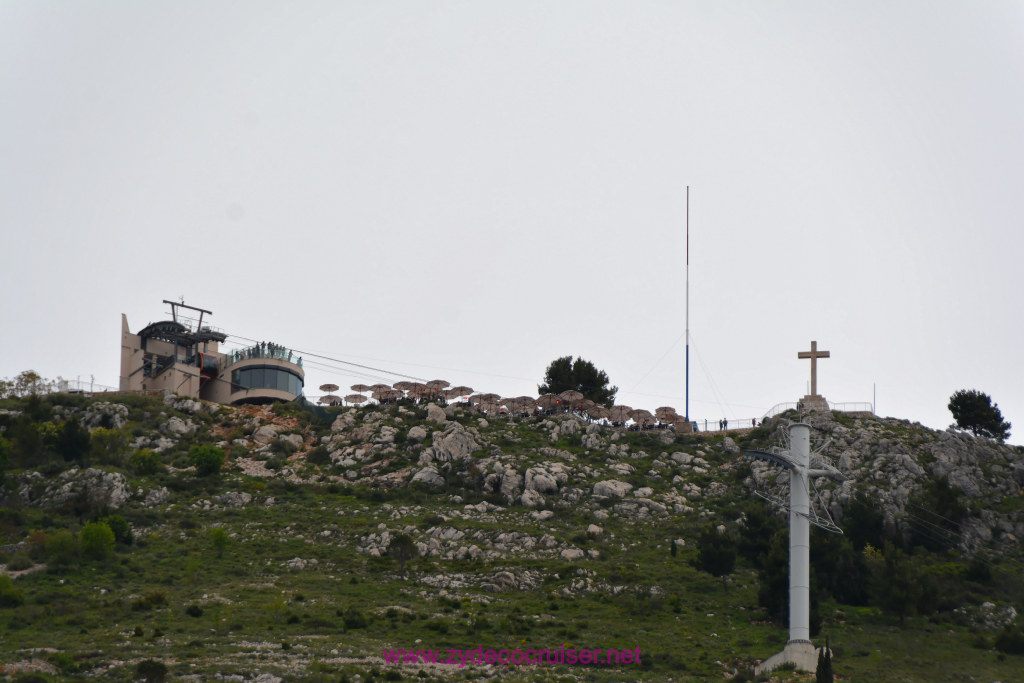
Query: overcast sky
point(468, 190)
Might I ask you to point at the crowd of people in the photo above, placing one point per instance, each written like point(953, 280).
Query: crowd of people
point(265, 350)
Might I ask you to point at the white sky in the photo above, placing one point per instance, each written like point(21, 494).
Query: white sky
point(468, 190)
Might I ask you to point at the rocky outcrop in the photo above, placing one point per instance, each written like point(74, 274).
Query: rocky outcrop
point(176, 428)
point(455, 445)
point(104, 414)
point(429, 476)
point(95, 489)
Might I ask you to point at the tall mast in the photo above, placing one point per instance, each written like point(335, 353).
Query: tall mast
point(687, 410)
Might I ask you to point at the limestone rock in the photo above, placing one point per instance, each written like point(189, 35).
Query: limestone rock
point(175, 427)
point(531, 499)
point(344, 422)
point(417, 434)
point(435, 414)
point(104, 414)
point(429, 476)
point(540, 481)
point(456, 445)
point(100, 490)
point(612, 488)
point(571, 554)
point(233, 499)
point(265, 434)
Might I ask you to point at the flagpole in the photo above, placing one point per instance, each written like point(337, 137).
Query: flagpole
point(687, 410)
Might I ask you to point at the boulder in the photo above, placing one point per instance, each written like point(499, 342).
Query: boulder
point(417, 434)
point(511, 483)
point(531, 499)
point(175, 427)
point(233, 499)
point(265, 434)
point(429, 476)
point(541, 481)
point(435, 414)
point(456, 445)
point(612, 488)
point(571, 554)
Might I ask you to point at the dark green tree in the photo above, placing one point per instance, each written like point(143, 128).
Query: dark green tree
point(974, 411)
point(207, 459)
point(73, 442)
point(716, 554)
point(122, 530)
point(5, 456)
point(897, 585)
point(580, 375)
point(402, 549)
point(757, 531)
point(934, 515)
point(863, 522)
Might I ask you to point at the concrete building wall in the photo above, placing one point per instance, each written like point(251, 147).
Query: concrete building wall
point(183, 376)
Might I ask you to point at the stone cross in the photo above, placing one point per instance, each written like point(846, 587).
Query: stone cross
point(814, 354)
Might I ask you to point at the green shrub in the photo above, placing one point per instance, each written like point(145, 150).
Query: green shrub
point(206, 459)
point(151, 670)
point(96, 540)
point(64, 662)
point(156, 599)
point(319, 456)
point(146, 462)
point(354, 619)
point(1010, 641)
point(219, 540)
point(122, 530)
point(37, 545)
point(9, 595)
point(194, 611)
point(282, 447)
point(61, 548)
point(29, 677)
point(19, 561)
point(109, 446)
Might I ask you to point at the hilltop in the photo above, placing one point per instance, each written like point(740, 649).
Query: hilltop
point(540, 532)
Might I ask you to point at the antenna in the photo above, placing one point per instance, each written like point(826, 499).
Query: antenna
point(687, 408)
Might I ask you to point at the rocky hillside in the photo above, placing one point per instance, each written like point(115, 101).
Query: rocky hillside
point(542, 531)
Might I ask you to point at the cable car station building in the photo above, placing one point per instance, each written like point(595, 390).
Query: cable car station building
point(182, 356)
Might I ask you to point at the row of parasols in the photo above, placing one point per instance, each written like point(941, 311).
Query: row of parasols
point(493, 404)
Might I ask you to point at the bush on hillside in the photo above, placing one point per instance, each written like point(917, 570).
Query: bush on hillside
point(206, 459)
point(96, 541)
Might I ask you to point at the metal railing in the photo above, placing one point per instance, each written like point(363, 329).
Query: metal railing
point(841, 407)
point(271, 351)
